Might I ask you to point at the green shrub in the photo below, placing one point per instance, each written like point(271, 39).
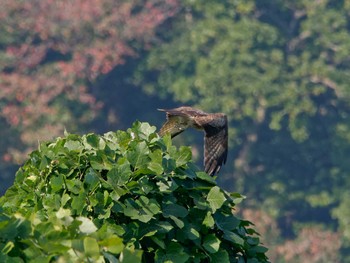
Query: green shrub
point(122, 197)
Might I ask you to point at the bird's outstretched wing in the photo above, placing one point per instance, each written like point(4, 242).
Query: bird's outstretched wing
point(215, 141)
point(215, 129)
point(176, 122)
point(179, 119)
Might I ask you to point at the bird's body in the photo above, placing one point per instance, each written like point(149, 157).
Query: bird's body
point(214, 126)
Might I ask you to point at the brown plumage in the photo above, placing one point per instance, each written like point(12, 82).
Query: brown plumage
point(215, 133)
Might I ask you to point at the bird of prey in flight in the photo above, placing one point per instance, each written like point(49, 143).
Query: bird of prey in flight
point(214, 126)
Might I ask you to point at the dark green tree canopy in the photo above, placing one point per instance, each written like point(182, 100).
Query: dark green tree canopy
point(129, 196)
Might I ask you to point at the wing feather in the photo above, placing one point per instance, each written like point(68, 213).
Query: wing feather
point(215, 143)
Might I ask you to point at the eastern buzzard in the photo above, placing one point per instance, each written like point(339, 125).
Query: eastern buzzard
point(215, 130)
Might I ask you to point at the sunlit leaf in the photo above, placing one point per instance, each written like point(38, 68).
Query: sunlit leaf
point(178, 222)
point(184, 156)
point(156, 164)
point(113, 244)
point(57, 183)
point(7, 248)
point(211, 243)
point(208, 220)
point(191, 233)
point(87, 226)
point(138, 157)
point(91, 178)
point(73, 145)
point(79, 202)
point(215, 198)
point(91, 247)
point(120, 175)
point(128, 256)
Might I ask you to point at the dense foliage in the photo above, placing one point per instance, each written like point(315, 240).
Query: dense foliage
point(128, 196)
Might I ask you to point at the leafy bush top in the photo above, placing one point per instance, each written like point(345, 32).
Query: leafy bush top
point(121, 197)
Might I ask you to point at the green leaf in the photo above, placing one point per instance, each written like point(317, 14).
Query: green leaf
point(7, 248)
point(211, 243)
point(205, 177)
point(259, 249)
point(200, 202)
point(98, 163)
point(64, 215)
point(147, 231)
point(143, 209)
point(131, 209)
point(95, 141)
point(128, 256)
point(233, 237)
point(146, 130)
point(57, 183)
point(74, 145)
point(215, 198)
point(220, 257)
point(191, 233)
point(208, 220)
point(174, 210)
point(91, 247)
point(156, 164)
point(167, 141)
point(117, 193)
point(91, 178)
point(146, 184)
point(151, 205)
point(183, 156)
point(111, 141)
point(253, 241)
point(120, 175)
point(159, 242)
point(167, 186)
point(180, 224)
point(75, 186)
point(79, 202)
point(87, 226)
point(113, 244)
point(144, 216)
point(173, 253)
point(237, 198)
point(226, 222)
point(138, 157)
point(156, 168)
point(164, 226)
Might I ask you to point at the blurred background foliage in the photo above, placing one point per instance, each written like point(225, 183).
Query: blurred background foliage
point(279, 69)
